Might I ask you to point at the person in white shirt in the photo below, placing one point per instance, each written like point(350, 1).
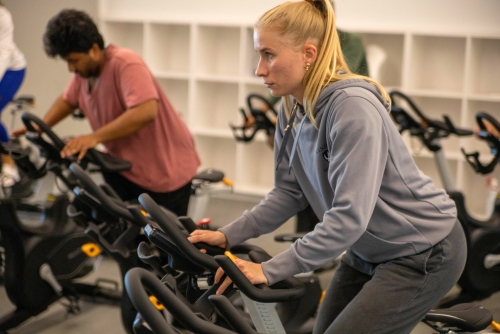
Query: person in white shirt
point(12, 71)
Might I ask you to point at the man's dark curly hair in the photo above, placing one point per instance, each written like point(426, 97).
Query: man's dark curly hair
point(71, 31)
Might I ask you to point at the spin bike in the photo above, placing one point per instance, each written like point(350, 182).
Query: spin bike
point(42, 262)
point(481, 275)
point(296, 315)
point(259, 301)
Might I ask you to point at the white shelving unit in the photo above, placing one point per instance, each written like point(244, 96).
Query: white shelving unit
point(206, 67)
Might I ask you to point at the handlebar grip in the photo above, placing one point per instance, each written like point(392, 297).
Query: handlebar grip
point(188, 223)
point(28, 119)
point(211, 250)
point(231, 315)
point(263, 293)
point(138, 280)
point(96, 191)
point(167, 223)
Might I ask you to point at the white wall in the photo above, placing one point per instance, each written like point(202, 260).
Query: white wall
point(444, 15)
point(46, 78)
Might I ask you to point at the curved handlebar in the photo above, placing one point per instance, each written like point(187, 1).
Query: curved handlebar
point(30, 119)
point(440, 128)
point(167, 223)
point(107, 201)
point(493, 142)
point(263, 293)
point(262, 121)
point(138, 280)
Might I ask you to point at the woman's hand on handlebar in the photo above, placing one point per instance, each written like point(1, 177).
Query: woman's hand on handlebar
point(214, 238)
point(252, 271)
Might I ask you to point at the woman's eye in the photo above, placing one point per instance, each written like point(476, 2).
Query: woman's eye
point(268, 55)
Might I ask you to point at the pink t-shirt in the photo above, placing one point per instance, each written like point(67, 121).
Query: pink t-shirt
point(162, 153)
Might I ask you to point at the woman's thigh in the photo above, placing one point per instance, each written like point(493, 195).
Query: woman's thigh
point(402, 291)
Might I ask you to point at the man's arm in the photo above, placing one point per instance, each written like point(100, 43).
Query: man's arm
point(58, 111)
point(131, 121)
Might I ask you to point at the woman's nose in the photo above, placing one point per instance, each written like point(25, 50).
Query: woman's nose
point(260, 71)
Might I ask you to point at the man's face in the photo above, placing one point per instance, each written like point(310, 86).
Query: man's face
point(86, 65)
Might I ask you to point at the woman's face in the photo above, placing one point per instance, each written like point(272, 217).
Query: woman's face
point(281, 66)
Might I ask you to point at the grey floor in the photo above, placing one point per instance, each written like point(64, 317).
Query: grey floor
point(105, 319)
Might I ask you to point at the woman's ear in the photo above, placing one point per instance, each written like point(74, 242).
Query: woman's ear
point(310, 53)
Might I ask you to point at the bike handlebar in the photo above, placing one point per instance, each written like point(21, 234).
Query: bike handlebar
point(138, 280)
point(96, 191)
point(493, 142)
point(167, 223)
point(262, 293)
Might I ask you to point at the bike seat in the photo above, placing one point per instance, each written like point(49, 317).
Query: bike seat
point(469, 317)
point(106, 162)
point(209, 175)
point(24, 99)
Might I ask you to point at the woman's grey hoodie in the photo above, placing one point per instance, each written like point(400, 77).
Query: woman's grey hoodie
point(360, 179)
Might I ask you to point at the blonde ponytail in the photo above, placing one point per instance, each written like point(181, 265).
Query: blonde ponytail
point(313, 20)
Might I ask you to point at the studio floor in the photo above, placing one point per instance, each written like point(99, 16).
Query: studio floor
point(105, 319)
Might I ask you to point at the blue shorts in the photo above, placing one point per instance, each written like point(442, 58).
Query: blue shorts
point(9, 85)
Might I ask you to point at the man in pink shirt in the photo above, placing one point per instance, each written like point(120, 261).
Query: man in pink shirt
point(127, 110)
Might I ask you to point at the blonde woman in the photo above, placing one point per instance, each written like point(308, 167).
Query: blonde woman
point(337, 148)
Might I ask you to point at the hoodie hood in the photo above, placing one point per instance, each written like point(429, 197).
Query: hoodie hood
point(327, 94)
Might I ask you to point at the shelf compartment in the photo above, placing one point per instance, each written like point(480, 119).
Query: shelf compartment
point(177, 92)
point(437, 63)
point(128, 35)
point(168, 48)
point(217, 153)
point(392, 45)
point(218, 50)
point(255, 167)
point(485, 67)
point(216, 105)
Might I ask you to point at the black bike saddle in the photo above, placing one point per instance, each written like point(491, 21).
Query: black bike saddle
point(469, 317)
point(210, 175)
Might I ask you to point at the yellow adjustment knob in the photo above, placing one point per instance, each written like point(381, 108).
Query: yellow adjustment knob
point(50, 197)
point(227, 182)
point(91, 249)
point(156, 303)
point(495, 325)
point(230, 255)
point(144, 213)
point(322, 296)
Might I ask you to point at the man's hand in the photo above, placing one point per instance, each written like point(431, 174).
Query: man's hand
point(252, 271)
point(78, 145)
point(19, 132)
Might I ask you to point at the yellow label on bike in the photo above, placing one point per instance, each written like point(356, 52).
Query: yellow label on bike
point(51, 198)
point(91, 249)
point(227, 182)
point(159, 306)
point(230, 255)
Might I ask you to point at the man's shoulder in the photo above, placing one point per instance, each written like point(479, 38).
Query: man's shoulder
point(123, 56)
